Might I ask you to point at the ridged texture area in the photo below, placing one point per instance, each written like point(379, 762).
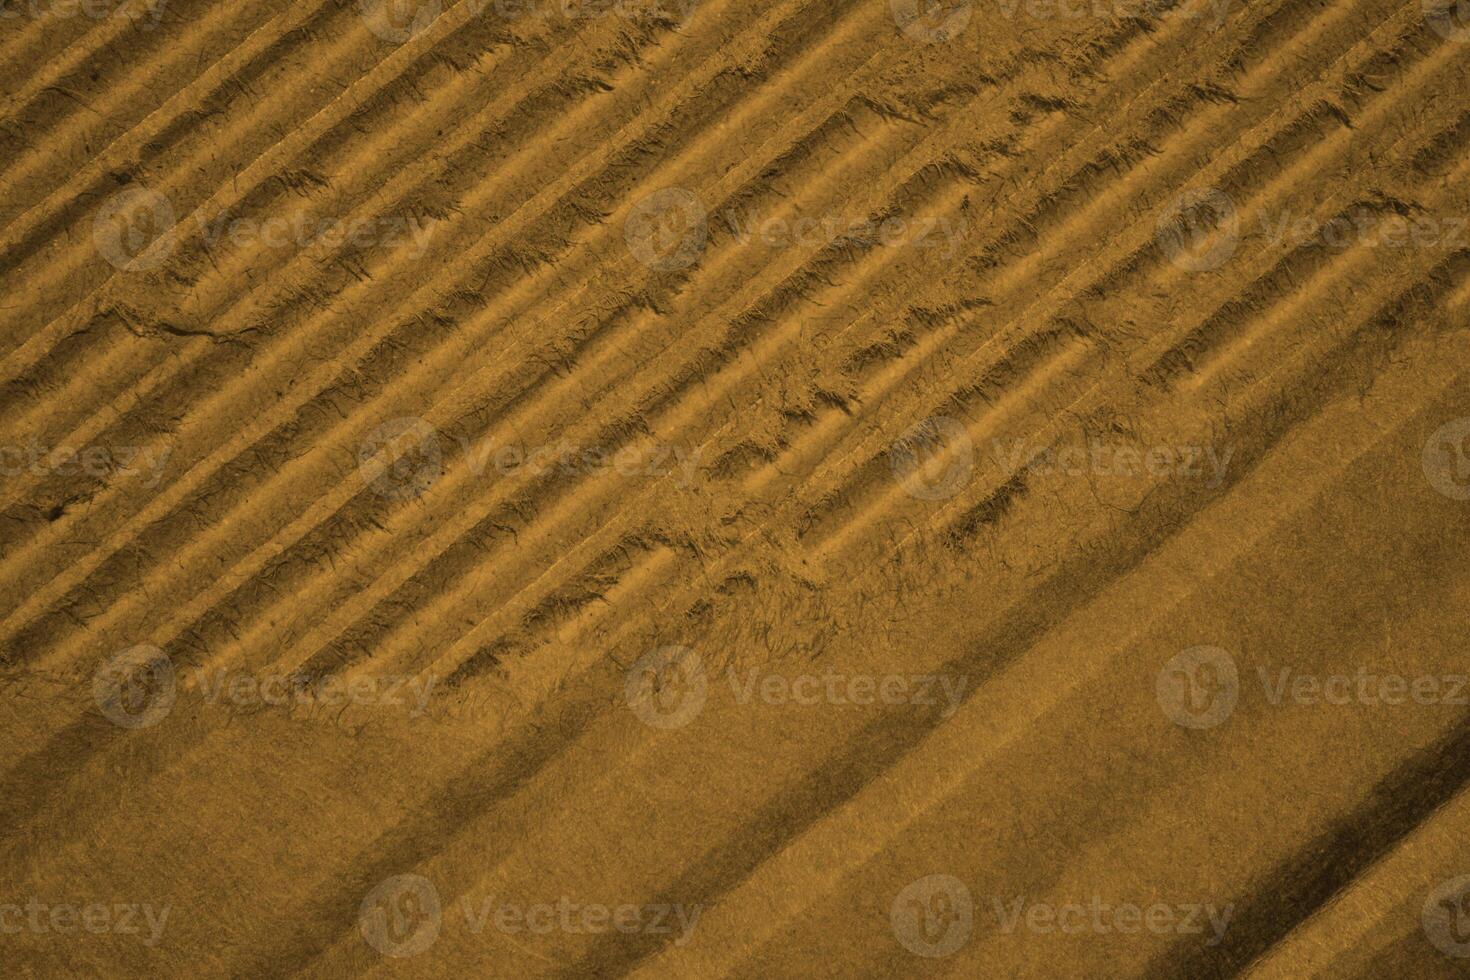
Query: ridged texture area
point(787, 488)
